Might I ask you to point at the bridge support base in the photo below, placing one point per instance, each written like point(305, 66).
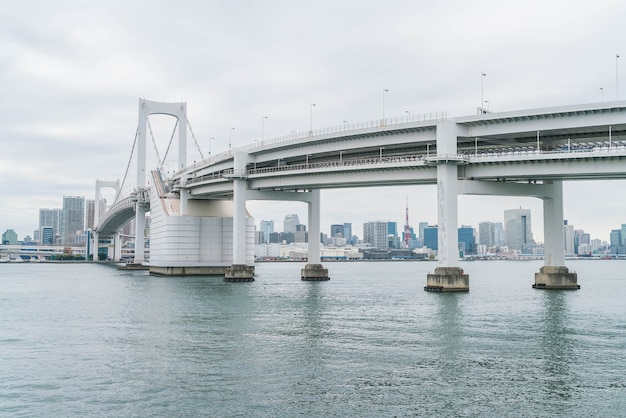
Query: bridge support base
point(187, 271)
point(239, 273)
point(556, 278)
point(314, 273)
point(447, 279)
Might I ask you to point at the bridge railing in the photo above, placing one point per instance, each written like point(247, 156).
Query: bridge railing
point(346, 127)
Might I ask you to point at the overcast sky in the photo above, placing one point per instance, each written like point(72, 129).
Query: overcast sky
point(71, 73)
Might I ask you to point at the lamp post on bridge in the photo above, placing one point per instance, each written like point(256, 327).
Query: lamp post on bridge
point(311, 118)
point(384, 91)
point(482, 99)
point(263, 127)
point(230, 137)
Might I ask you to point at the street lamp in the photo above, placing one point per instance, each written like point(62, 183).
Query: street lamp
point(263, 127)
point(230, 137)
point(616, 76)
point(601, 93)
point(482, 100)
point(384, 91)
point(311, 117)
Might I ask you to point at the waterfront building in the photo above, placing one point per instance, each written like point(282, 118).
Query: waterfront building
point(73, 218)
point(430, 238)
point(616, 246)
point(337, 230)
point(267, 227)
point(290, 222)
point(517, 229)
point(375, 233)
point(50, 218)
point(9, 237)
point(300, 235)
point(347, 233)
point(467, 241)
point(568, 238)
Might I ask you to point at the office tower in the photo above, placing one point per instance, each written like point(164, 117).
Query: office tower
point(421, 226)
point(267, 227)
point(90, 213)
point(431, 239)
point(9, 237)
point(290, 222)
point(72, 219)
point(568, 238)
point(300, 235)
point(467, 242)
point(47, 235)
point(347, 233)
point(50, 218)
point(375, 233)
point(337, 230)
point(517, 228)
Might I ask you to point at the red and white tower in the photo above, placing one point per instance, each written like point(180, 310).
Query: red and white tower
point(407, 228)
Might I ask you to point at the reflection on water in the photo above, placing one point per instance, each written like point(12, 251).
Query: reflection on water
point(557, 345)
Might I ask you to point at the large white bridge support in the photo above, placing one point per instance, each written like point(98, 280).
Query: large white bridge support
point(554, 274)
point(147, 108)
point(448, 276)
point(314, 270)
point(100, 184)
point(239, 271)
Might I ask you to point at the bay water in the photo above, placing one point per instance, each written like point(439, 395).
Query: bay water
point(91, 340)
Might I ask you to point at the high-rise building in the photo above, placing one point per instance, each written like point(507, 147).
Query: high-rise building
point(486, 234)
point(375, 233)
point(73, 218)
point(347, 233)
point(467, 242)
point(421, 227)
point(50, 218)
point(47, 235)
point(300, 235)
point(517, 228)
point(9, 237)
point(568, 238)
point(616, 242)
point(431, 239)
point(267, 227)
point(290, 222)
point(336, 230)
point(90, 213)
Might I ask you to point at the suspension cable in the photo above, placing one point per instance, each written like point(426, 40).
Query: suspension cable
point(194, 138)
point(168, 146)
point(132, 151)
point(153, 141)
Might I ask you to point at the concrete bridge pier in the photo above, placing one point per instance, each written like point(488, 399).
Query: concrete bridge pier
point(239, 271)
point(314, 270)
point(448, 275)
point(554, 274)
point(117, 245)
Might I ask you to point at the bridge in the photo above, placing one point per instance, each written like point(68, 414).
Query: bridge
point(199, 222)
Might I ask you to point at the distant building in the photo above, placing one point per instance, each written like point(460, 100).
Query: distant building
point(517, 228)
point(347, 233)
point(568, 238)
point(290, 222)
point(337, 230)
point(467, 241)
point(9, 237)
point(616, 246)
point(300, 235)
point(430, 238)
point(491, 234)
point(267, 227)
point(47, 235)
point(73, 218)
point(375, 233)
point(50, 218)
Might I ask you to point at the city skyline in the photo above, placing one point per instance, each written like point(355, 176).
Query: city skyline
point(73, 73)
